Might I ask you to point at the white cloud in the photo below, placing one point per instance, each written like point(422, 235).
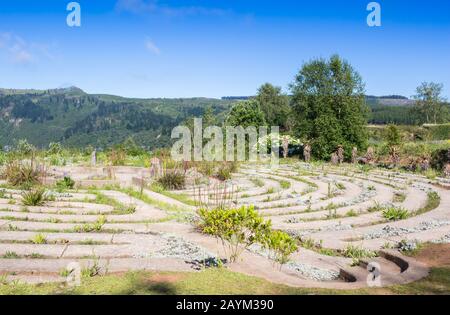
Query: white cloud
point(19, 51)
point(152, 6)
point(151, 47)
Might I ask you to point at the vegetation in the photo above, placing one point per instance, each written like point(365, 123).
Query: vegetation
point(274, 105)
point(329, 104)
point(34, 197)
point(240, 228)
point(429, 104)
point(66, 183)
point(22, 174)
point(172, 180)
point(395, 214)
point(245, 114)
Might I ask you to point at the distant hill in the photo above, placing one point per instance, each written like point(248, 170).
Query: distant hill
point(391, 100)
point(75, 118)
point(78, 119)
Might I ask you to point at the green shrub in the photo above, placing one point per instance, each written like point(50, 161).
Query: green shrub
point(92, 227)
point(22, 174)
point(439, 132)
point(281, 245)
point(224, 172)
point(66, 183)
point(39, 239)
point(395, 214)
point(238, 228)
point(205, 167)
point(35, 197)
point(357, 253)
point(173, 180)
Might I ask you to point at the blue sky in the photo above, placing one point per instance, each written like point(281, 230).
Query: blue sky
point(146, 48)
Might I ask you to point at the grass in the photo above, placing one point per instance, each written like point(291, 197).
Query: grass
point(433, 202)
point(257, 182)
point(357, 253)
point(183, 198)
point(395, 214)
point(10, 255)
point(39, 239)
point(35, 197)
point(214, 281)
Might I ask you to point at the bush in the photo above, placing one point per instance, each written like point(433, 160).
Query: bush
point(24, 148)
point(54, 148)
point(18, 174)
point(39, 239)
point(66, 183)
point(173, 180)
point(34, 197)
point(281, 245)
point(395, 214)
point(358, 253)
point(238, 229)
point(439, 132)
point(117, 157)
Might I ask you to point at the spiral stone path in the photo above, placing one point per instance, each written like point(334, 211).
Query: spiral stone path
point(328, 209)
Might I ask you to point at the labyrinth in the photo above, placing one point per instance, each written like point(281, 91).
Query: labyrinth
point(348, 221)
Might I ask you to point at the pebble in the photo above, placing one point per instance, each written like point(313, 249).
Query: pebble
point(389, 231)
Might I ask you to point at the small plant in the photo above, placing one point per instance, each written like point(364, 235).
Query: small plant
point(35, 256)
point(225, 170)
point(117, 157)
point(351, 213)
point(173, 180)
point(35, 197)
point(64, 273)
point(92, 227)
point(357, 253)
point(238, 228)
point(281, 245)
point(395, 214)
point(22, 174)
point(39, 239)
point(10, 255)
point(66, 183)
point(308, 243)
point(285, 184)
point(91, 271)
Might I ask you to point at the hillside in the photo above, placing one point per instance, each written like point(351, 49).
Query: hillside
point(76, 118)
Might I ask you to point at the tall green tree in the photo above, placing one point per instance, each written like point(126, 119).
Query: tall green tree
point(429, 106)
point(329, 105)
point(275, 105)
point(245, 114)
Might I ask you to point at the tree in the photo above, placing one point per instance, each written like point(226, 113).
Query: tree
point(429, 105)
point(329, 105)
point(392, 136)
point(208, 118)
point(245, 114)
point(274, 104)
